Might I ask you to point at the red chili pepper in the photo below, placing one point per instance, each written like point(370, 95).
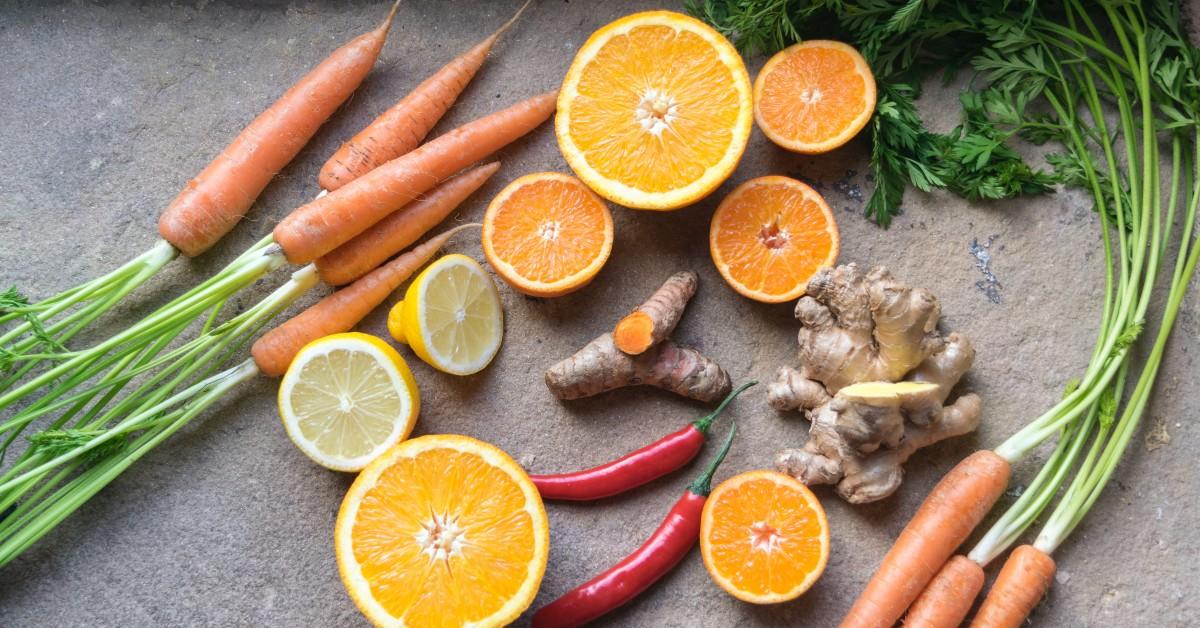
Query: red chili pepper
point(673, 539)
point(634, 469)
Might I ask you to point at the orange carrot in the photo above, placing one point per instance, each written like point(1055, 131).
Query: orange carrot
point(1022, 582)
point(949, 596)
point(343, 309)
point(394, 233)
point(955, 506)
point(401, 128)
point(328, 222)
point(212, 203)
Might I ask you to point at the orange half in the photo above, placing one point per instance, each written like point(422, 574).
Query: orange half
point(547, 234)
point(764, 537)
point(770, 235)
point(655, 111)
point(814, 96)
point(442, 531)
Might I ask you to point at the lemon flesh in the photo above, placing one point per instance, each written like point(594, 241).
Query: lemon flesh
point(347, 398)
point(451, 316)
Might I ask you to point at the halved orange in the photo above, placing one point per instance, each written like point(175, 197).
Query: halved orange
point(547, 234)
point(764, 537)
point(814, 96)
point(442, 531)
point(770, 235)
point(655, 111)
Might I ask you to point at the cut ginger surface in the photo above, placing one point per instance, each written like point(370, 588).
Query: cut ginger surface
point(770, 235)
point(442, 531)
point(764, 537)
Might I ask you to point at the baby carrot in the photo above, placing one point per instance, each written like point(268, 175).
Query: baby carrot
point(328, 222)
point(1022, 582)
point(212, 203)
point(955, 506)
point(343, 309)
point(949, 596)
point(394, 233)
point(401, 128)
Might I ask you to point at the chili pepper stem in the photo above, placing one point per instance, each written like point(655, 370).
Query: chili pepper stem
point(703, 423)
point(703, 484)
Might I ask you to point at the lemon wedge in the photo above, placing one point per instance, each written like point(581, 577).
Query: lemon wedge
point(347, 398)
point(451, 316)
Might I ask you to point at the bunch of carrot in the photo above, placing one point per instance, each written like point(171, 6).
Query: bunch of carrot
point(383, 193)
point(1151, 76)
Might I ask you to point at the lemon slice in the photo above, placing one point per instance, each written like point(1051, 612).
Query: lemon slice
point(347, 398)
point(451, 316)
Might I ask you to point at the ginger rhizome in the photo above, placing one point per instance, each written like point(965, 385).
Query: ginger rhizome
point(640, 352)
point(873, 380)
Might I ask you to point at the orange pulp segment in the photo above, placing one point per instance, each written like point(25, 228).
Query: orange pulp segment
point(442, 531)
point(764, 537)
point(770, 235)
point(547, 234)
point(814, 96)
point(655, 111)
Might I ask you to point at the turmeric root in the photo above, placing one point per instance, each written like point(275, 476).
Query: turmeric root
point(654, 320)
point(639, 352)
point(873, 379)
point(600, 367)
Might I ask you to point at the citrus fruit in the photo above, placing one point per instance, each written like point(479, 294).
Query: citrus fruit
point(546, 234)
point(764, 537)
point(770, 235)
point(346, 398)
point(442, 531)
point(451, 316)
point(814, 96)
point(655, 111)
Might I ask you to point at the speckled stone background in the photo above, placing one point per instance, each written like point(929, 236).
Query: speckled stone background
point(107, 109)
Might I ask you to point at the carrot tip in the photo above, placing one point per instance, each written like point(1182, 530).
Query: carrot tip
point(512, 20)
point(387, 21)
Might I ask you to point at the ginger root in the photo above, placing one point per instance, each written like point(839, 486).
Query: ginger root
point(873, 380)
point(648, 357)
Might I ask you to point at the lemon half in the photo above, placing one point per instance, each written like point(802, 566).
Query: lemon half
point(451, 316)
point(347, 398)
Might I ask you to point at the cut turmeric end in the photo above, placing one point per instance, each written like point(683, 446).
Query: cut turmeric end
point(635, 333)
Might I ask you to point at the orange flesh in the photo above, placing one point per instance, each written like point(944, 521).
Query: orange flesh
point(550, 229)
point(771, 237)
point(813, 94)
point(768, 537)
point(441, 500)
point(655, 109)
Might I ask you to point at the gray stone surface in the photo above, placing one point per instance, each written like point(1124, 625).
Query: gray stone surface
point(105, 111)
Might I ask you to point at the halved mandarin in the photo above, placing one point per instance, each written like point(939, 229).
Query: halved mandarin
point(764, 537)
point(814, 96)
point(442, 530)
point(655, 111)
point(770, 235)
point(547, 234)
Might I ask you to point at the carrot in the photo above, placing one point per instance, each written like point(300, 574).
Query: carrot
point(328, 222)
point(949, 596)
point(401, 128)
point(955, 506)
point(1022, 582)
point(343, 309)
point(212, 203)
point(394, 233)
